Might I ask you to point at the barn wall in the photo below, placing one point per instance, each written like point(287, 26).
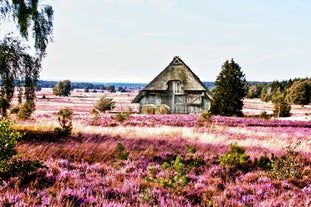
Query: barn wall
point(178, 103)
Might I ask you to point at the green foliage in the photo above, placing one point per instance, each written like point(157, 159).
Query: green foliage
point(120, 117)
point(281, 107)
point(30, 16)
point(299, 92)
point(65, 122)
point(174, 169)
point(120, 152)
point(8, 141)
point(178, 164)
point(190, 149)
point(63, 88)
point(105, 104)
point(288, 165)
point(205, 116)
point(152, 170)
point(266, 93)
point(265, 162)
point(24, 112)
point(9, 166)
point(165, 165)
point(14, 110)
point(17, 67)
point(230, 90)
point(235, 158)
point(95, 114)
point(254, 91)
point(264, 115)
point(20, 168)
point(177, 170)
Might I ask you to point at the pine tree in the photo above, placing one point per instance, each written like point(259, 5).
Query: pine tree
point(231, 88)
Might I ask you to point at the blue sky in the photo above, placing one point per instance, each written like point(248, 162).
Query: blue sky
point(134, 40)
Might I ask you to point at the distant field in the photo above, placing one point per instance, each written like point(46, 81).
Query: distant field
point(82, 103)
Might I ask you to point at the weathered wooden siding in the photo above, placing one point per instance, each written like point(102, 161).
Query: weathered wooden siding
point(178, 103)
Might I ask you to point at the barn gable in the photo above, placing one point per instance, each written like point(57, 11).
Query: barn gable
point(177, 87)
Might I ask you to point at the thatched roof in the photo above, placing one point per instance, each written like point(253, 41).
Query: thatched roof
point(176, 70)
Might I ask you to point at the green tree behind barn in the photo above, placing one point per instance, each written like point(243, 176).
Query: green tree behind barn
point(231, 88)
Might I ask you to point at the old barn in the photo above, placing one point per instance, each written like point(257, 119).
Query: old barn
point(178, 88)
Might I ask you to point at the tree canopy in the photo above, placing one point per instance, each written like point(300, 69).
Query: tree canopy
point(63, 88)
point(30, 16)
point(17, 66)
point(299, 92)
point(230, 89)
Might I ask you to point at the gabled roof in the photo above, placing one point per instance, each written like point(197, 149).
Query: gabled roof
point(176, 70)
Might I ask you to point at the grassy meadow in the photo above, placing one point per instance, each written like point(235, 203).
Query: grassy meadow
point(162, 160)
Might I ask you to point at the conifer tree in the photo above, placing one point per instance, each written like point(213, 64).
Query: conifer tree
point(231, 88)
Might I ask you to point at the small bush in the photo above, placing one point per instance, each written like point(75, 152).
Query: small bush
point(190, 149)
point(65, 122)
point(20, 168)
point(14, 110)
point(264, 162)
point(174, 168)
point(205, 116)
point(120, 152)
point(8, 141)
point(24, 112)
point(235, 158)
point(95, 114)
point(120, 117)
point(287, 166)
point(10, 167)
point(104, 104)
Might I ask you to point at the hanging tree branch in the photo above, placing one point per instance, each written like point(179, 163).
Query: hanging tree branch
point(30, 15)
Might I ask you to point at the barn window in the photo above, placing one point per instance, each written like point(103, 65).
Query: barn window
point(178, 87)
point(175, 86)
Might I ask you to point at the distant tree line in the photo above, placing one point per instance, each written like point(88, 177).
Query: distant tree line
point(93, 87)
point(295, 91)
point(64, 88)
point(282, 94)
